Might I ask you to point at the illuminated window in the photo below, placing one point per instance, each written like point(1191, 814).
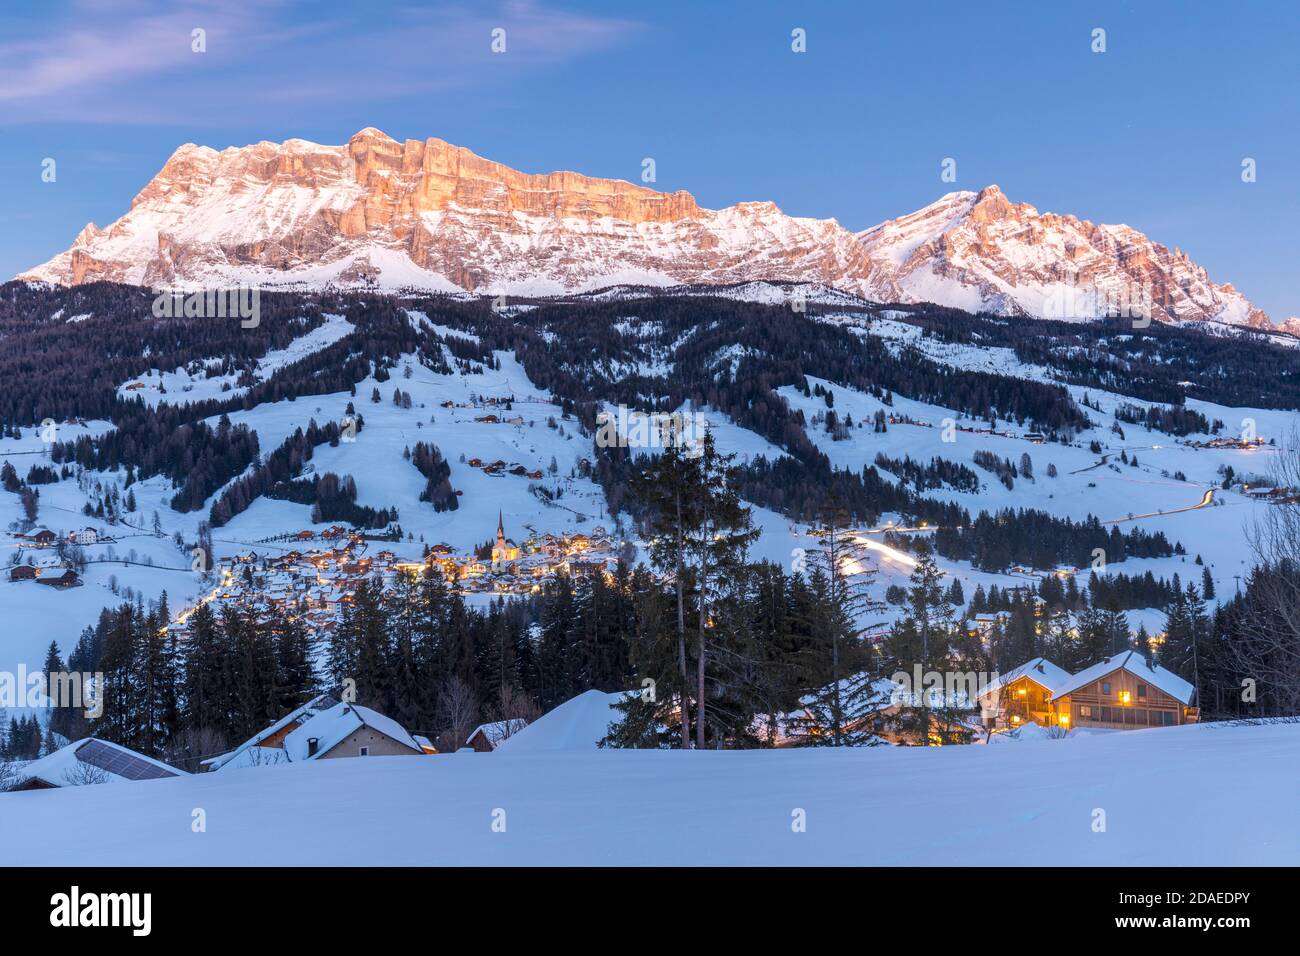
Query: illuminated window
point(1125, 697)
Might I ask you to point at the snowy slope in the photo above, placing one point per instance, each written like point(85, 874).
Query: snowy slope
point(1195, 795)
point(1084, 485)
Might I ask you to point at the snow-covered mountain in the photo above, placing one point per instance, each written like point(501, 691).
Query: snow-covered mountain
point(435, 216)
point(981, 251)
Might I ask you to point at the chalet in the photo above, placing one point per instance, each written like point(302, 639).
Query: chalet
point(23, 572)
point(535, 475)
point(487, 737)
point(475, 463)
point(1124, 692)
point(488, 419)
point(90, 761)
point(425, 743)
point(519, 470)
point(42, 537)
point(1023, 695)
point(305, 535)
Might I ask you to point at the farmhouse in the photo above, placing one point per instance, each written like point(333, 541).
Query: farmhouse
point(23, 572)
point(1124, 692)
point(349, 730)
point(267, 745)
point(68, 579)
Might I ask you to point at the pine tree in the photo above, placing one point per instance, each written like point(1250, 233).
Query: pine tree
point(556, 683)
point(206, 673)
point(717, 547)
point(929, 639)
point(670, 488)
point(838, 712)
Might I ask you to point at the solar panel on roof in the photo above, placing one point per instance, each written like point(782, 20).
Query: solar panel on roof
point(119, 762)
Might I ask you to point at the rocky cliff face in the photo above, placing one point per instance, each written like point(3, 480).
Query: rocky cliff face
point(980, 250)
point(435, 216)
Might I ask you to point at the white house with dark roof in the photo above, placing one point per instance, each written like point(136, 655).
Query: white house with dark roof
point(349, 730)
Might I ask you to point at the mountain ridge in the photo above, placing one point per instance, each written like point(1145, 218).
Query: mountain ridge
point(430, 215)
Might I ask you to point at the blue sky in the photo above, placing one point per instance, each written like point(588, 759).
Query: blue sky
point(1152, 132)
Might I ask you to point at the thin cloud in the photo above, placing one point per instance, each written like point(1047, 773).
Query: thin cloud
point(105, 63)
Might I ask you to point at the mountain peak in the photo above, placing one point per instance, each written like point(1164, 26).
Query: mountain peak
point(429, 214)
point(370, 134)
point(990, 204)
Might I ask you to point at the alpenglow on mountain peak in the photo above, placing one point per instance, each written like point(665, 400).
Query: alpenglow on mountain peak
point(431, 215)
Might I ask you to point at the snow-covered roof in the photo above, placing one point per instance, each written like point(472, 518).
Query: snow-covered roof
point(499, 730)
point(1138, 666)
point(1040, 670)
point(332, 726)
point(577, 724)
point(297, 715)
point(83, 760)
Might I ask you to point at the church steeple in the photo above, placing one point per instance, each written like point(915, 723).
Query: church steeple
point(501, 529)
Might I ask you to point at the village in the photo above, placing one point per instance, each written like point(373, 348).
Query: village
point(316, 584)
